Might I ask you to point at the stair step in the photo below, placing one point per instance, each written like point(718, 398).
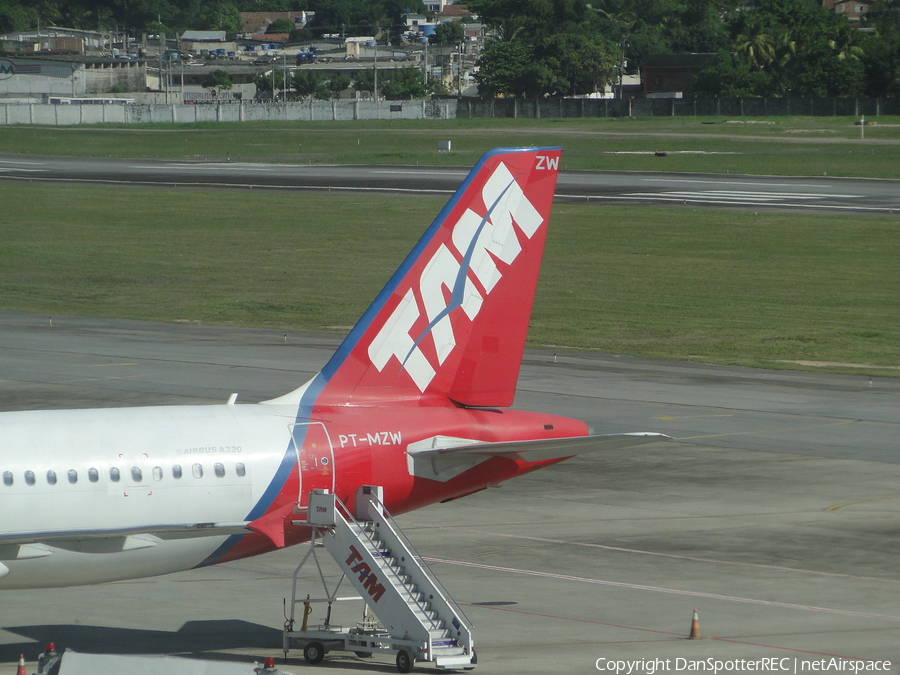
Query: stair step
point(452, 661)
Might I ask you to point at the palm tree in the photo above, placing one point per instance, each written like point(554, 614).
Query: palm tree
point(758, 48)
point(844, 40)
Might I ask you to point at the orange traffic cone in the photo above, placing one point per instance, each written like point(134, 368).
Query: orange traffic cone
point(21, 669)
point(695, 627)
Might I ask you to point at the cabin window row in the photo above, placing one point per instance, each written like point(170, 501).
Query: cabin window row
point(115, 474)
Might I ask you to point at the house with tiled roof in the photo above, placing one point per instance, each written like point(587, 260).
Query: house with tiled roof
point(258, 22)
point(854, 10)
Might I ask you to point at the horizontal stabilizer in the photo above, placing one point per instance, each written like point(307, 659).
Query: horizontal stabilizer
point(442, 458)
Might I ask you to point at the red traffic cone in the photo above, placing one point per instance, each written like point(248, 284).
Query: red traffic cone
point(21, 669)
point(695, 627)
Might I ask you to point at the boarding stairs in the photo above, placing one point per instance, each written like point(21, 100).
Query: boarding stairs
point(416, 615)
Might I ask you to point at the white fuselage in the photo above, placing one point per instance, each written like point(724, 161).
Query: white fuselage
point(130, 469)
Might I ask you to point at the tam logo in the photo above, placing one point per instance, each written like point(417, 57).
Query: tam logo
point(477, 239)
point(365, 574)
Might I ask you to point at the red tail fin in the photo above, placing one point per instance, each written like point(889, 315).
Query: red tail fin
point(452, 321)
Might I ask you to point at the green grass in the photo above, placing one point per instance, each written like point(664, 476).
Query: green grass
point(705, 285)
point(776, 146)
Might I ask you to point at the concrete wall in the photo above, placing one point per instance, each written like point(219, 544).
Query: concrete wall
point(304, 111)
point(126, 75)
point(61, 115)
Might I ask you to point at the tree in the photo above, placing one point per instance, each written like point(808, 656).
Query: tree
point(280, 26)
point(448, 33)
point(14, 17)
point(310, 84)
point(404, 83)
point(805, 49)
point(219, 15)
point(759, 49)
point(337, 84)
point(543, 48)
point(733, 75)
point(503, 69)
point(270, 83)
point(217, 80)
point(365, 80)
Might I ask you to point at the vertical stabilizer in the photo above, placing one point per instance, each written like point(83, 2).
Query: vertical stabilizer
point(452, 321)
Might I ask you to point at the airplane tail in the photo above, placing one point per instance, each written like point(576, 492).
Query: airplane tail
point(451, 323)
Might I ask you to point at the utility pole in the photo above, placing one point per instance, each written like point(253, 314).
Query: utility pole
point(459, 70)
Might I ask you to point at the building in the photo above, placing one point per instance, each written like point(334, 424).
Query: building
point(79, 76)
point(436, 6)
point(453, 13)
point(854, 10)
point(56, 41)
point(672, 75)
point(361, 47)
point(258, 22)
point(199, 41)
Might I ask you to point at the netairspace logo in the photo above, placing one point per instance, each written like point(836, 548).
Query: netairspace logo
point(714, 666)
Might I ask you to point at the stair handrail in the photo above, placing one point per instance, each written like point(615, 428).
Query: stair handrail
point(445, 595)
point(345, 513)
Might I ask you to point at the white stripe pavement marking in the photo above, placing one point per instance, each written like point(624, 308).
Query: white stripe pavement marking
point(724, 182)
point(740, 194)
point(823, 207)
point(243, 166)
point(423, 173)
point(658, 589)
point(209, 165)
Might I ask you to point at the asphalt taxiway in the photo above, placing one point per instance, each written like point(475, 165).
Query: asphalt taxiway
point(775, 513)
point(806, 193)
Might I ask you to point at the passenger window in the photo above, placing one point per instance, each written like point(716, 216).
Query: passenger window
point(29, 478)
point(157, 473)
point(240, 469)
point(93, 475)
point(51, 477)
point(114, 474)
point(136, 475)
point(197, 470)
point(72, 475)
point(219, 469)
point(176, 471)
point(7, 478)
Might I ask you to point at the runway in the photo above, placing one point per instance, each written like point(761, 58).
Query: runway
point(880, 196)
point(775, 513)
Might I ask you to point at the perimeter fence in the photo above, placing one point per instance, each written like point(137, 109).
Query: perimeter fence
point(675, 107)
point(12, 113)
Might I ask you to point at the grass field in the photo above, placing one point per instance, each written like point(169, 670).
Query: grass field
point(774, 146)
point(717, 286)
